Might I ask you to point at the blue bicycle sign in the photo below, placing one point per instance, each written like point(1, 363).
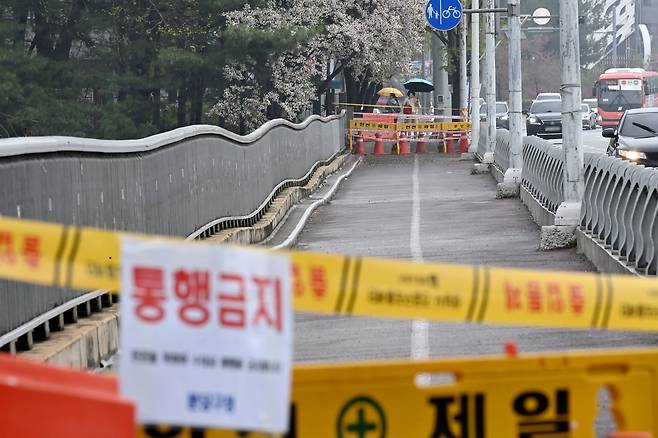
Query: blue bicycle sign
point(443, 14)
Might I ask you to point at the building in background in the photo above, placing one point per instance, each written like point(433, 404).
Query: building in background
point(634, 24)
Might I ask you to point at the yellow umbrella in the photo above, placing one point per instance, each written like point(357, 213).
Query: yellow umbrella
point(390, 90)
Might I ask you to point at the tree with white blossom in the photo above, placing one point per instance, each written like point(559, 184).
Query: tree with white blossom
point(369, 41)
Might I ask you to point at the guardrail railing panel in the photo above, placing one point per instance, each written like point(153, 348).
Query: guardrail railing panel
point(620, 209)
point(502, 151)
point(542, 171)
point(172, 183)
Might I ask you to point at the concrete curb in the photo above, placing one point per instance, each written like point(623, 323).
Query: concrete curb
point(541, 215)
point(498, 174)
point(278, 210)
point(480, 169)
point(290, 240)
point(601, 257)
point(83, 345)
point(556, 237)
point(507, 190)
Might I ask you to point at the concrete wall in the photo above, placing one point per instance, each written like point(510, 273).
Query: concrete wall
point(171, 183)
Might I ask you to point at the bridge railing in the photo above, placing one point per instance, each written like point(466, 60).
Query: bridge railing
point(175, 183)
point(620, 210)
point(502, 153)
point(542, 171)
point(482, 143)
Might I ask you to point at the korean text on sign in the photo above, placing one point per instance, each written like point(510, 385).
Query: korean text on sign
point(206, 335)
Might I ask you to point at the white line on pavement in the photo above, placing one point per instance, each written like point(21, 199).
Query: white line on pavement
point(419, 328)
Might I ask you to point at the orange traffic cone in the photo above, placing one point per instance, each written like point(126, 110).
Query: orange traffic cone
point(404, 145)
point(421, 145)
point(360, 147)
point(463, 142)
point(379, 145)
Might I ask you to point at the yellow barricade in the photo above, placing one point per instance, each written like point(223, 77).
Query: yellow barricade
point(417, 126)
point(372, 125)
point(554, 395)
point(88, 259)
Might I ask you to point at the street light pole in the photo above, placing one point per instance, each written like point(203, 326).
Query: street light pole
point(463, 90)
point(568, 213)
point(490, 80)
point(475, 78)
point(516, 122)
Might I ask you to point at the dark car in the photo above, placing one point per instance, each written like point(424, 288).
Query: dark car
point(636, 137)
point(545, 118)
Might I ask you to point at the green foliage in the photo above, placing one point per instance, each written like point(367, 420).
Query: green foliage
point(120, 68)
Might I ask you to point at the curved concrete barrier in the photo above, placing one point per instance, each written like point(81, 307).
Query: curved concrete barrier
point(172, 183)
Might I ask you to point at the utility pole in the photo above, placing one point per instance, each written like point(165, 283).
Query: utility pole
point(423, 74)
point(516, 121)
point(490, 80)
point(439, 76)
point(567, 215)
point(475, 78)
point(463, 89)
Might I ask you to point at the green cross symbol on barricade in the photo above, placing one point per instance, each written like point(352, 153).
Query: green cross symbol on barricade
point(361, 417)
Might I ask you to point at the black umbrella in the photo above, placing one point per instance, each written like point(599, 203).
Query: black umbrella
point(419, 85)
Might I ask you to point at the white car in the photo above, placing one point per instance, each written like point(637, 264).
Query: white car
point(589, 117)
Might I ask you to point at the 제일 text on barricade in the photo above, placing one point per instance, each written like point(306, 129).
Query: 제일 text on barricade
point(206, 335)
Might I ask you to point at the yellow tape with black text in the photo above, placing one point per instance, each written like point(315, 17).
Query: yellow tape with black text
point(417, 126)
point(88, 259)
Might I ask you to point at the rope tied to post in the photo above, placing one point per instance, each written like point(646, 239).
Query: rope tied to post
point(567, 88)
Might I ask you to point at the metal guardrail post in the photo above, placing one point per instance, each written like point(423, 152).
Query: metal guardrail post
point(490, 81)
point(475, 78)
point(516, 122)
point(568, 213)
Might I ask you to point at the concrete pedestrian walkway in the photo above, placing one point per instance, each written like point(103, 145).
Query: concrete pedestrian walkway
point(429, 208)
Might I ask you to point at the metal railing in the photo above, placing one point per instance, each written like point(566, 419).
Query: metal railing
point(501, 153)
point(542, 171)
point(174, 183)
point(482, 143)
point(620, 210)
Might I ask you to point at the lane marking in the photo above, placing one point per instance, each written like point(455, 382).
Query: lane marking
point(420, 348)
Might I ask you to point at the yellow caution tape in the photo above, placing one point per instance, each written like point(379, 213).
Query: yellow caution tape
point(88, 259)
point(539, 395)
point(417, 126)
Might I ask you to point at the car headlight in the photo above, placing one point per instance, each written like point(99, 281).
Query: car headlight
point(632, 155)
point(534, 120)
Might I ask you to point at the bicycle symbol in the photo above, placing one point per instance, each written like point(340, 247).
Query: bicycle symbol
point(451, 11)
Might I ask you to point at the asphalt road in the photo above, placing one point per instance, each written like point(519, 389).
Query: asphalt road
point(457, 219)
point(593, 141)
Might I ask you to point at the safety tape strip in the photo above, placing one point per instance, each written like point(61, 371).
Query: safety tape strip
point(412, 140)
point(88, 259)
point(408, 116)
point(363, 105)
point(420, 126)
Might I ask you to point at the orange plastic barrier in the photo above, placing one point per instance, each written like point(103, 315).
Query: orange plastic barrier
point(384, 118)
point(38, 400)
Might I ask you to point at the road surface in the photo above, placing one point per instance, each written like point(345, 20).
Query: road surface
point(593, 142)
point(428, 208)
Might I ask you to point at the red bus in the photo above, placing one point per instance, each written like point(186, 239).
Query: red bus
point(619, 89)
